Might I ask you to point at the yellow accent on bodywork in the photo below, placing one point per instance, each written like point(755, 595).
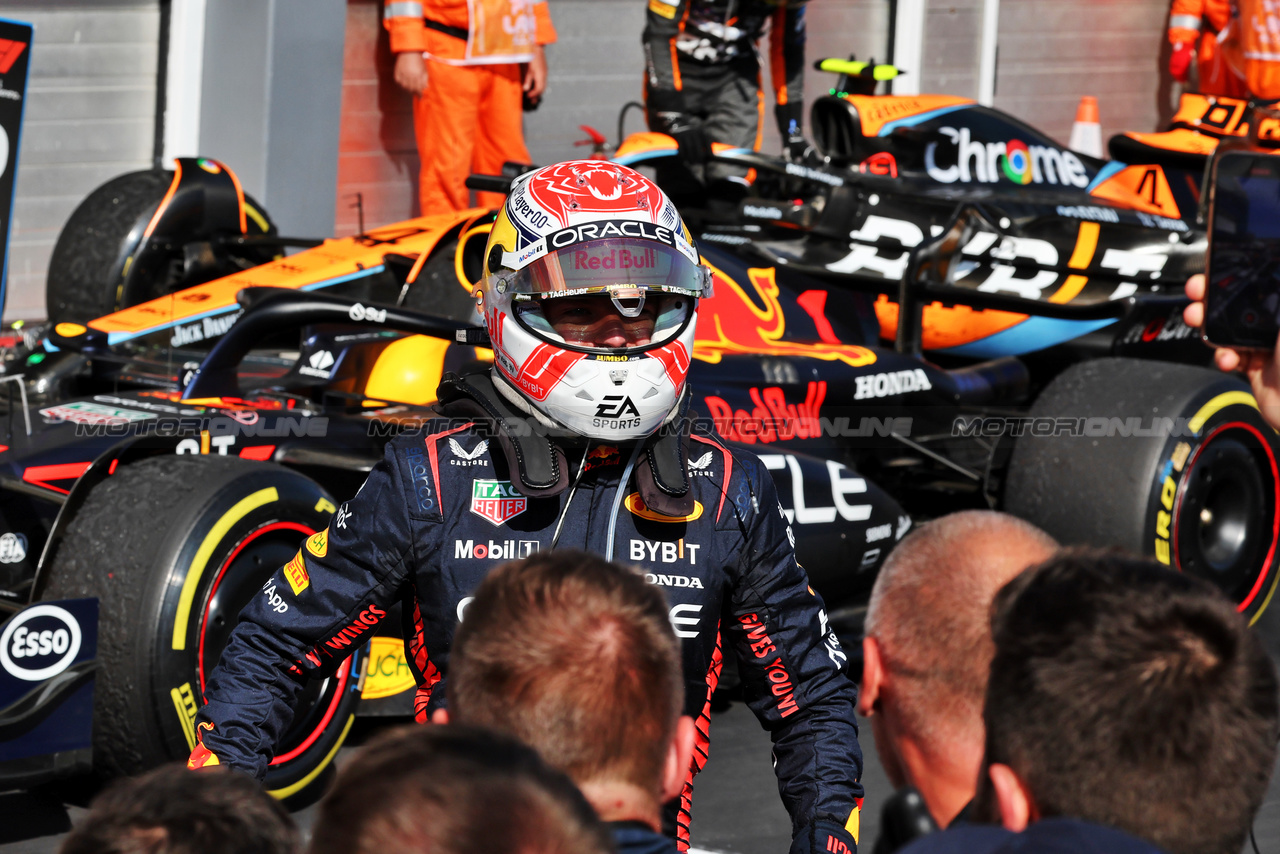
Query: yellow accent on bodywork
point(242, 508)
point(466, 238)
point(408, 370)
point(378, 682)
point(257, 217)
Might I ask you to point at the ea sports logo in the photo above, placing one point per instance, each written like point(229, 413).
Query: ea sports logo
point(1017, 162)
point(39, 643)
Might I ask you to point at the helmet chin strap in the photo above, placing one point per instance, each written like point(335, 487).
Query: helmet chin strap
point(539, 465)
point(517, 400)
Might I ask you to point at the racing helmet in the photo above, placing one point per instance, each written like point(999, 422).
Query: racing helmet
point(579, 247)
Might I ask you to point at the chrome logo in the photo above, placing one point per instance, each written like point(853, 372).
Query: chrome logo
point(1017, 162)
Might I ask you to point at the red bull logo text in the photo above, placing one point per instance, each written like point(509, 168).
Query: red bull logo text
point(615, 259)
point(772, 419)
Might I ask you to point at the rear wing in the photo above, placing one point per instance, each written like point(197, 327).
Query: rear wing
point(15, 55)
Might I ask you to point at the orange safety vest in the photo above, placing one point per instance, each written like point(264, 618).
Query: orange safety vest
point(469, 32)
point(1185, 18)
point(1220, 72)
point(1257, 32)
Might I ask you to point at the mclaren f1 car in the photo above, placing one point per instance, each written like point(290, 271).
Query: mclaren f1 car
point(945, 309)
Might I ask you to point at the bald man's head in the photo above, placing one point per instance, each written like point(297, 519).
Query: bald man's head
point(930, 618)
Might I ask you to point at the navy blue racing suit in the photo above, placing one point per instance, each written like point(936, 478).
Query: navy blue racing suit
point(440, 510)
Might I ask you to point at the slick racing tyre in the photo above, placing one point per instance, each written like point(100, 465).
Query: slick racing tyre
point(1170, 461)
point(174, 547)
point(100, 264)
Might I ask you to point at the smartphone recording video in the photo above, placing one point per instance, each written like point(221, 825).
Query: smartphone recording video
point(1242, 294)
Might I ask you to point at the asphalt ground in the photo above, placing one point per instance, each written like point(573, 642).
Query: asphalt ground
point(736, 808)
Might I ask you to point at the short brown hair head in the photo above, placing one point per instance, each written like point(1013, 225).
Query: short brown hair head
point(175, 811)
point(454, 790)
point(576, 656)
point(1126, 694)
point(930, 612)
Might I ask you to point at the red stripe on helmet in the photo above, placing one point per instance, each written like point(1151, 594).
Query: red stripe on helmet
point(544, 369)
point(675, 360)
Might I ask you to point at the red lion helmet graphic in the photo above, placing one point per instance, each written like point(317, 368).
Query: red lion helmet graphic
point(593, 187)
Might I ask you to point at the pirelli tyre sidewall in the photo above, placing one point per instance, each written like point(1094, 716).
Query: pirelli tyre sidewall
point(1214, 500)
point(1180, 467)
point(250, 528)
point(206, 534)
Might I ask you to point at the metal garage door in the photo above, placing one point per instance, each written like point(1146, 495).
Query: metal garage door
point(1052, 53)
point(90, 115)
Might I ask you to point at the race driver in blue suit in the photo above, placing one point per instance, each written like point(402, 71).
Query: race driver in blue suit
point(578, 436)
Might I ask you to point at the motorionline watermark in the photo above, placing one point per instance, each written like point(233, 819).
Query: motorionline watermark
point(748, 430)
point(764, 430)
point(1083, 426)
point(316, 427)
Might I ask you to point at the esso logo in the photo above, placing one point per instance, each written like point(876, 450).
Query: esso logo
point(39, 643)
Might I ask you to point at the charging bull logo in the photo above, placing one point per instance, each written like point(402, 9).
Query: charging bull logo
point(592, 187)
point(736, 320)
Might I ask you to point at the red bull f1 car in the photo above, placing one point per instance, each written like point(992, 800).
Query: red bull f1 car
point(945, 310)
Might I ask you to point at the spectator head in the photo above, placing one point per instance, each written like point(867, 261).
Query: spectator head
point(576, 656)
point(175, 811)
point(927, 647)
point(1125, 694)
point(453, 790)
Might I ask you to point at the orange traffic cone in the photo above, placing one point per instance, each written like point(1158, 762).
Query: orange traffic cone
point(1086, 133)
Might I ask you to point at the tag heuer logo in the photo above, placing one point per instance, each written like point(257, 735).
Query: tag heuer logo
point(496, 500)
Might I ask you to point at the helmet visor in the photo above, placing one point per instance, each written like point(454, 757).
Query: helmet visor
point(626, 317)
point(584, 294)
point(599, 266)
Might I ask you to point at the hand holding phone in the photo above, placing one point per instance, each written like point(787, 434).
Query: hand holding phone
point(1242, 291)
point(1261, 367)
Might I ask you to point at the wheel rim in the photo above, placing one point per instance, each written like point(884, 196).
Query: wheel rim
point(1226, 521)
point(239, 578)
